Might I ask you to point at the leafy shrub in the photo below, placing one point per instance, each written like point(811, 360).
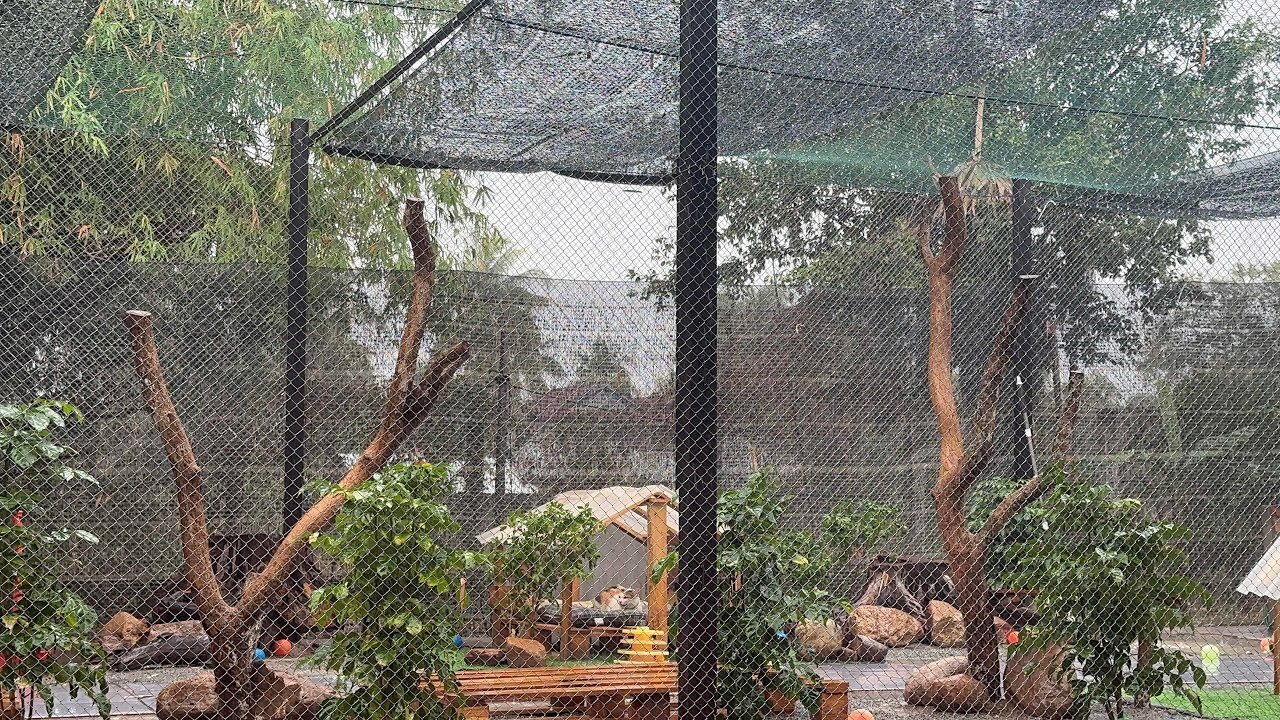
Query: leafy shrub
point(771, 579)
point(1107, 577)
point(398, 602)
point(548, 548)
point(47, 632)
point(986, 495)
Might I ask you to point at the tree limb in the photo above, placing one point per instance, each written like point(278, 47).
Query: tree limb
point(955, 225)
point(406, 407)
point(192, 519)
point(1037, 486)
point(993, 378)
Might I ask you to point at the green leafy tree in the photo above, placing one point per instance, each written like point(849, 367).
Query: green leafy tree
point(398, 603)
point(163, 137)
point(781, 225)
point(547, 548)
point(47, 636)
point(1107, 577)
point(602, 364)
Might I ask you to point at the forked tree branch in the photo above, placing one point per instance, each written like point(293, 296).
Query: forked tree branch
point(1036, 487)
point(192, 519)
point(408, 404)
point(993, 380)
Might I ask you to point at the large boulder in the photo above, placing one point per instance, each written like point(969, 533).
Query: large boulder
point(860, 648)
point(524, 653)
point(286, 696)
point(122, 632)
point(959, 694)
point(487, 657)
point(946, 624)
point(919, 688)
point(822, 640)
point(192, 698)
point(1034, 684)
point(886, 625)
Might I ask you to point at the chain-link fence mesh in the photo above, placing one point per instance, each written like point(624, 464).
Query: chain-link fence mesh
point(475, 369)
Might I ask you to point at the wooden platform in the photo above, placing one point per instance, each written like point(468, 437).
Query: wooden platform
point(633, 691)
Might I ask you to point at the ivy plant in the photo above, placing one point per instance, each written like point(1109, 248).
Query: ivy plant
point(547, 548)
point(1107, 577)
point(47, 633)
point(399, 604)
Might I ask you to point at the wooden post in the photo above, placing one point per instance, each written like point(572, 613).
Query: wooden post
point(656, 547)
point(574, 645)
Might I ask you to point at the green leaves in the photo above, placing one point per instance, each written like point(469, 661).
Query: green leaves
point(44, 617)
point(1107, 576)
point(548, 548)
point(400, 590)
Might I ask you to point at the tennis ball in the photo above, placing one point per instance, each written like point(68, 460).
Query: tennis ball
point(1210, 653)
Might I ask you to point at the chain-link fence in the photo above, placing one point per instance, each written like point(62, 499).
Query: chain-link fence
point(639, 359)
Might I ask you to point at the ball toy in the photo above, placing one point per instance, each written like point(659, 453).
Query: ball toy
point(861, 714)
point(1012, 637)
point(1264, 645)
point(259, 654)
point(281, 648)
point(457, 641)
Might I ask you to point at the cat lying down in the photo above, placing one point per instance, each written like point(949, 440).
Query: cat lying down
point(615, 606)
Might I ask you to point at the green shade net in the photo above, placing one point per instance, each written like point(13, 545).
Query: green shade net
point(36, 36)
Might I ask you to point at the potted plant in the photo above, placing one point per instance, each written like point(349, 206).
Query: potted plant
point(46, 632)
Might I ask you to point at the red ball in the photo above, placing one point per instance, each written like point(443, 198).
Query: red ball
point(42, 654)
point(1012, 637)
point(17, 595)
point(281, 648)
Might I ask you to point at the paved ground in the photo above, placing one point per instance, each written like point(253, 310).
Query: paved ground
point(1242, 664)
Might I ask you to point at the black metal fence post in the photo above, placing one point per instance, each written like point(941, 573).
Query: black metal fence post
point(696, 431)
point(1026, 349)
point(295, 333)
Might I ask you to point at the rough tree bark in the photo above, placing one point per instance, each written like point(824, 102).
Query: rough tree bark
point(959, 468)
point(231, 627)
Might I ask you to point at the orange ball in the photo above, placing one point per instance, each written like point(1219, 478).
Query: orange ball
point(1012, 637)
point(1264, 645)
point(861, 714)
point(281, 648)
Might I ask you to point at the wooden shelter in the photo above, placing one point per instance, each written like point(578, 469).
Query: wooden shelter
point(644, 514)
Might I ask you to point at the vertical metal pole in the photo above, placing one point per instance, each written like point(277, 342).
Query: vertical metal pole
point(502, 431)
point(696, 431)
point(1025, 347)
point(295, 333)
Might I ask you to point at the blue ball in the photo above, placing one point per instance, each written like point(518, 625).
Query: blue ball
point(457, 641)
point(259, 654)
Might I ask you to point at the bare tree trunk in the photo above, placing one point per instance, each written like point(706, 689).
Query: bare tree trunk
point(232, 629)
point(959, 468)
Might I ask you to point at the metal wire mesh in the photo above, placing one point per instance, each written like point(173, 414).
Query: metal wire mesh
point(525, 360)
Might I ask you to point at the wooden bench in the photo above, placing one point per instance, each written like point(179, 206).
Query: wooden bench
point(601, 692)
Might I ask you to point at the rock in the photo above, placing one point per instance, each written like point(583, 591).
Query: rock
point(111, 644)
point(190, 699)
point(959, 694)
point(886, 625)
point(129, 630)
point(821, 639)
point(1033, 684)
point(860, 648)
point(946, 625)
point(524, 653)
point(164, 630)
point(286, 696)
point(920, 682)
point(488, 657)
